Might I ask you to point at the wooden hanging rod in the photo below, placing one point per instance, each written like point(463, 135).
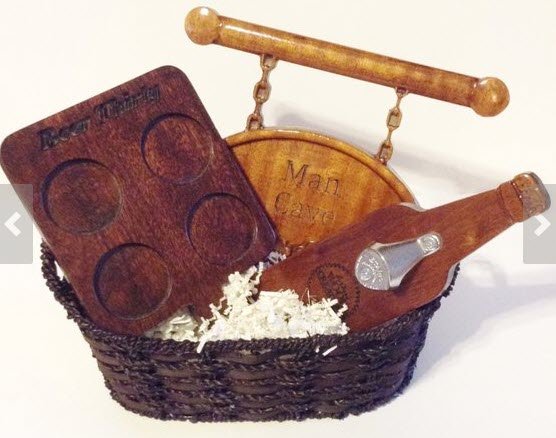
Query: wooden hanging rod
point(487, 96)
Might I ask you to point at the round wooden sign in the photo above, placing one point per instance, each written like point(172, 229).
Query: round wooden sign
point(313, 185)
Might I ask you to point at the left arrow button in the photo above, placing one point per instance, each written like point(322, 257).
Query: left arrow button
point(10, 224)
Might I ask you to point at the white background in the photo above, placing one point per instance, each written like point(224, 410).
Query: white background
point(488, 368)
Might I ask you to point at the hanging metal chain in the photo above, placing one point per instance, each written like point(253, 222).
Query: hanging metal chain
point(261, 93)
point(393, 122)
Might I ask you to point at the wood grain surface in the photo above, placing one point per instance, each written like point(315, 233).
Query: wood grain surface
point(487, 96)
point(327, 269)
point(141, 201)
point(313, 185)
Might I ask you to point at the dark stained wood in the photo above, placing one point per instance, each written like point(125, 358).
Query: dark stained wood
point(141, 201)
point(327, 268)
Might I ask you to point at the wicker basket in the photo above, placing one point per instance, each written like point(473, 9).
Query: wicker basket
point(263, 380)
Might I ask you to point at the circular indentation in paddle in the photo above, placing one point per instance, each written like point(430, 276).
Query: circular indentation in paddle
point(221, 228)
point(177, 148)
point(82, 196)
point(132, 281)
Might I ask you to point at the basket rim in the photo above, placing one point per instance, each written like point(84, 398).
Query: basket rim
point(63, 292)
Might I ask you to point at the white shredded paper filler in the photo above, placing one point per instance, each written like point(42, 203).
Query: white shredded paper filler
point(246, 313)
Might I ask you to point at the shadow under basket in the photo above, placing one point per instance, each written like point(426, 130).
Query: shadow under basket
point(261, 380)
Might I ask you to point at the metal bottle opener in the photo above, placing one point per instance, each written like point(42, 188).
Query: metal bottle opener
point(383, 266)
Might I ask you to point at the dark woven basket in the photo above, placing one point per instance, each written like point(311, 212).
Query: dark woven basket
point(262, 380)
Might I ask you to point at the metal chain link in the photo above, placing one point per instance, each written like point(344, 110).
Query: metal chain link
point(261, 93)
point(393, 122)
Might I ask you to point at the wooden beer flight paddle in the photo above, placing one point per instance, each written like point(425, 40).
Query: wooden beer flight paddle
point(140, 200)
point(339, 266)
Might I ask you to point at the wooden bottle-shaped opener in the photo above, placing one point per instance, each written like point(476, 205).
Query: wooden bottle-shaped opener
point(383, 248)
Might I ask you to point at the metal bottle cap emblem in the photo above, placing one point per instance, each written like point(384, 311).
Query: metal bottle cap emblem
point(383, 266)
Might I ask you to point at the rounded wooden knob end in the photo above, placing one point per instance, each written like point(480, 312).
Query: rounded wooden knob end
point(532, 193)
point(490, 97)
point(524, 196)
point(202, 25)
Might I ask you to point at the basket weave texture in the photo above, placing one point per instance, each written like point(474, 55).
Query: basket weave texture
point(260, 380)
